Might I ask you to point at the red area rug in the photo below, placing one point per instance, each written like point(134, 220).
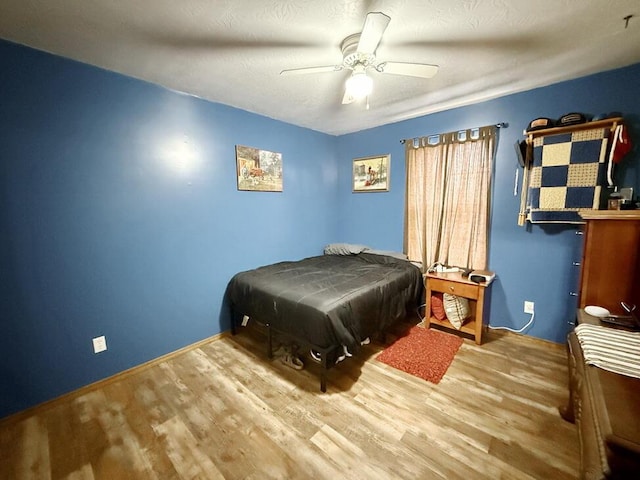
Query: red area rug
point(424, 353)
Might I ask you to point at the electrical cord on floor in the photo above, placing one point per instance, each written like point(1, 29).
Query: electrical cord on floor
point(528, 324)
point(514, 330)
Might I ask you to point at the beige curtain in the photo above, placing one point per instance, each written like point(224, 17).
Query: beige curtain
point(447, 199)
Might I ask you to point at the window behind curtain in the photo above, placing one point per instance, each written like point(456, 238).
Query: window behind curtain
point(447, 198)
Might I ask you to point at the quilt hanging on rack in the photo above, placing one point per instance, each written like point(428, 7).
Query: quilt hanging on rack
point(567, 173)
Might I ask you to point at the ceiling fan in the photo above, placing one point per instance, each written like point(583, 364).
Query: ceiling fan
point(359, 56)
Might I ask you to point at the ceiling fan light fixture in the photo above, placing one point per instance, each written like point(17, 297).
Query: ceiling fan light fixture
point(359, 85)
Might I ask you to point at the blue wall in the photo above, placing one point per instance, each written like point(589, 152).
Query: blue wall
point(532, 262)
point(120, 216)
point(119, 213)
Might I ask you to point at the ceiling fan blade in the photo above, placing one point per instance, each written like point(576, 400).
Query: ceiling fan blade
point(421, 70)
point(347, 99)
point(305, 70)
point(374, 26)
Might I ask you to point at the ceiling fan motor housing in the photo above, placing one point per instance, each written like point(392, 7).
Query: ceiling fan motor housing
point(351, 56)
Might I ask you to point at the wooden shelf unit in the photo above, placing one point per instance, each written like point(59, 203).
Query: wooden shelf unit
point(454, 283)
point(611, 123)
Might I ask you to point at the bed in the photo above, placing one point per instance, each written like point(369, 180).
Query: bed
point(329, 302)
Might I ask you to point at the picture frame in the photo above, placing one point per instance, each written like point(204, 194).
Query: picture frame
point(371, 174)
point(258, 170)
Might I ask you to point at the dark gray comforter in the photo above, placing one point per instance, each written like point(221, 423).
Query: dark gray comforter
point(329, 300)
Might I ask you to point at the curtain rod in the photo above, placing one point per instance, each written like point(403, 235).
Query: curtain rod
point(497, 125)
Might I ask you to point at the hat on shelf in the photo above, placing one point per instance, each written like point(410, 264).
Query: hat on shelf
point(540, 123)
point(605, 116)
point(573, 118)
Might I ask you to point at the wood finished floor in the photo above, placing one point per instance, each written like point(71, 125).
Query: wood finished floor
point(225, 411)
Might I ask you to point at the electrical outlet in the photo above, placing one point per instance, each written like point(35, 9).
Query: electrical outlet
point(99, 344)
point(528, 306)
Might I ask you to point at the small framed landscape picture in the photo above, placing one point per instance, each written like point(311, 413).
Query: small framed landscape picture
point(371, 174)
point(258, 170)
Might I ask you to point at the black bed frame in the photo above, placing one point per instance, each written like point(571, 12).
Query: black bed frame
point(325, 353)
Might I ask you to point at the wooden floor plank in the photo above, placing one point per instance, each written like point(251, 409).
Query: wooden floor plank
point(224, 410)
point(33, 456)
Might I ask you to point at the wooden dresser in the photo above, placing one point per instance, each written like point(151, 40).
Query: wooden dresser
point(610, 270)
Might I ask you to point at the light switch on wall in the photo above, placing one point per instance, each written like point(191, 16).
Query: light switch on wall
point(99, 344)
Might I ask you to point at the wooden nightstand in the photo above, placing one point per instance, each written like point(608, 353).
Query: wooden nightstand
point(456, 284)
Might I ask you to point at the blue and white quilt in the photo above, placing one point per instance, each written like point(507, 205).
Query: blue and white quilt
point(567, 175)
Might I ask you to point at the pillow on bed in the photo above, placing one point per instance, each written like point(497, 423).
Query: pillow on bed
point(437, 306)
point(344, 249)
point(388, 253)
point(457, 309)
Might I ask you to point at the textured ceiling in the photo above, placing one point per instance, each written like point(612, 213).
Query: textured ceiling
point(232, 51)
